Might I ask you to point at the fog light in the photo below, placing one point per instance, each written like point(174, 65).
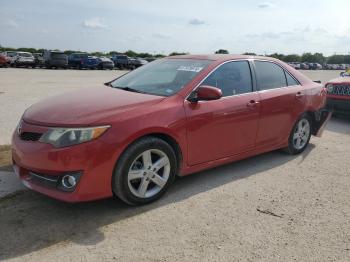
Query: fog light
point(69, 181)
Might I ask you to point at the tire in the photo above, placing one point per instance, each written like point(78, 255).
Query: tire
point(138, 187)
point(300, 135)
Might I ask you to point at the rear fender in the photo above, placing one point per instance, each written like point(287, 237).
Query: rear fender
point(322, 116)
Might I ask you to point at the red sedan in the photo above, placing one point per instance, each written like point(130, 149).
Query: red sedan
point(174, 116)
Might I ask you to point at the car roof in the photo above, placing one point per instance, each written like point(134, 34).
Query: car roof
point(221, 57)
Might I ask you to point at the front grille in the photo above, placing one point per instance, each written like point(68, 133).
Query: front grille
point(30, 136)
point(340, 90)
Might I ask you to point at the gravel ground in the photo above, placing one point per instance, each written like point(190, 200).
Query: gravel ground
point(272, 207)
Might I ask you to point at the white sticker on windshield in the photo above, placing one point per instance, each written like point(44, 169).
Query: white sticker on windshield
point(190, 68)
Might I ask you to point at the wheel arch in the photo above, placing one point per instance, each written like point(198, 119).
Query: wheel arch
point(315, 118)
point(167, 137)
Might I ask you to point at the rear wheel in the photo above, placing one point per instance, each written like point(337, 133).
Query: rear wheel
point(144, 171)
point(300, 136)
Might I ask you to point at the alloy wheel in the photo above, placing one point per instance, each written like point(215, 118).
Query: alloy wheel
point(301, 134)
point(149, 173)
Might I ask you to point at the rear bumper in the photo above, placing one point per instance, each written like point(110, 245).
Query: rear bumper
point(338, 105)
point(322, 117)
point(25, 63)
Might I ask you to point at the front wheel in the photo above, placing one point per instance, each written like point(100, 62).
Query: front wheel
point(144, 171)
point(300, 136)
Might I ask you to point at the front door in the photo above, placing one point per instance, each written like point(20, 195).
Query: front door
point(227, 126)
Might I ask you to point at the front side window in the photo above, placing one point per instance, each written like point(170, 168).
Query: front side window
point(163, 77)
point(269, 75)
point(232, 78)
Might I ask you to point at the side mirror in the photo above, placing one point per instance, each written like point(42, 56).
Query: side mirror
point(205, 93)
point(107, 84)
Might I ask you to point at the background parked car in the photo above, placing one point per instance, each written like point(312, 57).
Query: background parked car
point(121, 61)
point(39, 60)
point(338, 95)
point(304, 66)
point(137, 62)
point(11, 55)
point(75, 60)
point(90, 62)
point(25, 59)
point(105, 63)
point(56, 59)
point(4, 61)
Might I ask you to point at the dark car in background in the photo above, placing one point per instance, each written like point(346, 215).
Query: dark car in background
point(121, 61)
point(75, 60)
point(23, 59)
point(137, 62)
point(55, 59)
point(39, 60)
point(90, 62)
point(105, 63)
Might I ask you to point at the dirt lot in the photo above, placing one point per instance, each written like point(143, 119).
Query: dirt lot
point(273, 207)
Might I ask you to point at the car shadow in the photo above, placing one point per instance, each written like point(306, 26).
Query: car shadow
point(339, 124)
point(30, 221)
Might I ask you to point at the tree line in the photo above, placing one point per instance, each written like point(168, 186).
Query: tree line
point(305, 57)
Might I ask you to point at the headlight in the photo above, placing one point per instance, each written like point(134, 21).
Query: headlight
point(329, 88)
point(62, 137)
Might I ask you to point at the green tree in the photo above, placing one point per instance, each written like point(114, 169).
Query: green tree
point(292, 58)
point(336, 59)
point(248, 53)
point(277, 56)
point(131, 53)
point(176, 53)
point(221, 51)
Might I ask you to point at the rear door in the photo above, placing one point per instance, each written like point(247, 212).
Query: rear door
point(282, 101)
point(227, 126)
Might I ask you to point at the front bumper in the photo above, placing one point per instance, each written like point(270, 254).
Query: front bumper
point(25, 63)
point(339, 105)
point(93, 160)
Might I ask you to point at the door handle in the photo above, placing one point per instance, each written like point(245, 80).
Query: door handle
point(299, 95)
point(252, 103)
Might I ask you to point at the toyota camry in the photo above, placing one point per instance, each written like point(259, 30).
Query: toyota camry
point(172, 117)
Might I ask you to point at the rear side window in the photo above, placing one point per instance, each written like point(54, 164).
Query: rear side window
point(290, 80)
point(269, 75)
point(232, 78)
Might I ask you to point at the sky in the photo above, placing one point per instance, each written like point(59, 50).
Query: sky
point(161, 26)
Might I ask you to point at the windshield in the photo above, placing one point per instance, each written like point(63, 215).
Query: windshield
point(58, 55)
point(25, 54)
point(163, 77)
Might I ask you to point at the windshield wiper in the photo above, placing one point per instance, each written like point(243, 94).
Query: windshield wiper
point(126, 88)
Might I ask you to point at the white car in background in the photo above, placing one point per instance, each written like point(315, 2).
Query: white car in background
point(25, 59)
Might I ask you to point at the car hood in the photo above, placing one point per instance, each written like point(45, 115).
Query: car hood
point(88, 106)
point(340, 80)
